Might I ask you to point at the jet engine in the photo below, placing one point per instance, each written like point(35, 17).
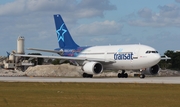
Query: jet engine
point(61, 52)
point(152, 70)
point(92, 68)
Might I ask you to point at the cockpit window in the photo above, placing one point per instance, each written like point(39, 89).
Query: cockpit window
point(151, 52)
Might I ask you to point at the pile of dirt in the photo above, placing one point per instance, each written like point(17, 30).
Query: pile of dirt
point(66, 70)
point(168, 72)
point(5, 72)
point(54, 70)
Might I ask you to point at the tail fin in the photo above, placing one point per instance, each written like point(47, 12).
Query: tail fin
point(8, 53)
point(64, 38)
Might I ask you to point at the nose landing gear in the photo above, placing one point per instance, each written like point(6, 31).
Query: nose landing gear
point(142, 76)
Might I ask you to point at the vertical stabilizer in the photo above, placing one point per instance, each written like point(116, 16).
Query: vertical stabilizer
point(64, 38)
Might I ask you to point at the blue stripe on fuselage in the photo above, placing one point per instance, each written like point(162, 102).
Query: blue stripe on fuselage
point(72, 52)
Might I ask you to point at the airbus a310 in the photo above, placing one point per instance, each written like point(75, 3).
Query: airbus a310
point(97, 59)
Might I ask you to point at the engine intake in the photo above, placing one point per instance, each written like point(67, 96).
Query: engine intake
point(152, 70)
point(92, 68)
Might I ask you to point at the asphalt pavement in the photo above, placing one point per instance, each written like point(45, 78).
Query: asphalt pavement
point(158, 80)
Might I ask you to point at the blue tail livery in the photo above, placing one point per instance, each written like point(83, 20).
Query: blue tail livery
point(64, 38)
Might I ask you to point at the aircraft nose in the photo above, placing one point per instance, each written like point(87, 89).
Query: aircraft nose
point(153, 59)
point(157, 58)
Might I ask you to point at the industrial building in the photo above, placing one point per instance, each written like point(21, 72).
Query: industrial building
point(18, 63)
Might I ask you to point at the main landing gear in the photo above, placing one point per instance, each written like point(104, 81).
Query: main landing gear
point(85, 75)
point(123, 74)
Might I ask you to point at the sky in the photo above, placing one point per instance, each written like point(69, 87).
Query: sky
point(91, 22)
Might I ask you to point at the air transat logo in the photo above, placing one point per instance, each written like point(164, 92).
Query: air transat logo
point(123, 55)
point(60, 32)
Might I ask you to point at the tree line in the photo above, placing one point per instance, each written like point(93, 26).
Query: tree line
point(173, 63)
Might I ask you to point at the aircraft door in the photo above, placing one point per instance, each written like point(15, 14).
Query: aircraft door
point(136, 53)
point(135, 56)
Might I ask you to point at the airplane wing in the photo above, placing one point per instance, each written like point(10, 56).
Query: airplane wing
point(44, 50)
point(68, 58)
point(165, 57)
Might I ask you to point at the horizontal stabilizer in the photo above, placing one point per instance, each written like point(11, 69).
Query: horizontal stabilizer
point(44, 50)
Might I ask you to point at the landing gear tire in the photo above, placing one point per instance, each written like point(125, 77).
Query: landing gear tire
point(85, 75)
point(123, 74)
point(119, 75)
point(126, 75)
point(141, 76)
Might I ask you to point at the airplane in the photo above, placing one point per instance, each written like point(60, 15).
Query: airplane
point(97, 59)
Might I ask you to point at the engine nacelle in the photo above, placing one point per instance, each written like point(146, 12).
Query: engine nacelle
point(152, 70)
point(92, 68)
point(61, 52)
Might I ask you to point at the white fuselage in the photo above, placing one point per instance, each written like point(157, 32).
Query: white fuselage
point(124, 56)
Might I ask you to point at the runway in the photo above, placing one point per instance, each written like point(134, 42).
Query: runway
point(159, 80)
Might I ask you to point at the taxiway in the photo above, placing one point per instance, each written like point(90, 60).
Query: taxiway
point(160, 80)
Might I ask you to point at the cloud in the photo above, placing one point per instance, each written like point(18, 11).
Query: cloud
point(21, 7)
point(12, 8)
point(169, 11)
point(177, 1)
point(31, 14)
point(89, 8)
point(145, 13)
point(81, 9)
point(36, 15)
point(99, 28)
point(168, 15)
point(33, 19)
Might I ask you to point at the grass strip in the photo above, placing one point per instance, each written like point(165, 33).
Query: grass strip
point(23, 94)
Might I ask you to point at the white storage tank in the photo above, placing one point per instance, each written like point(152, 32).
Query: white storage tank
point(11, 57)
point(20, 45)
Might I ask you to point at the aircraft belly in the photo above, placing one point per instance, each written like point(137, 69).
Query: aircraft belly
point(121, 65)
point(128, 65)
